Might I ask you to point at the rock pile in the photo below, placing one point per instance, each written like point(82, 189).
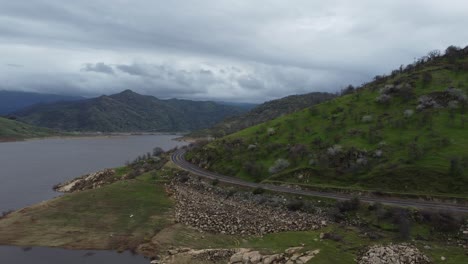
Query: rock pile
point(88, 181)
point(187, 255)
point(290, 256)
point(236, 256)
point(393, 253)
point(209, 211)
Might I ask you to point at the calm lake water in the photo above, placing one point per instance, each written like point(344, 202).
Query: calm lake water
point(29, 169)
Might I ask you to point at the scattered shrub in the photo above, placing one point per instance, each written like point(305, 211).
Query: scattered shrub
point(334, 150)
point(408, 113)
point(333, 236)
point(367, 119)
point(295, 205)
point(280, 164)
point(443, 221)
point(258, 190)
point(157, 151)
point(457, 94)
point(271, 131)
point(383, 99)
point(348, 205)
point(427, 102)
point(252, 147)
point(215, 182)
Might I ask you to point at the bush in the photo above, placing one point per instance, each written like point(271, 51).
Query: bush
point(157, 151)
point(443, 221)
point(295, 205)
point(402, 220)
point(5, 213)
point(348, 205)
point(258, 190)
point(280, 164)
point(367, 119)
point(334, 150)
point(215, 182)
point(408, 113)
point(333, 236)
point(383, 99)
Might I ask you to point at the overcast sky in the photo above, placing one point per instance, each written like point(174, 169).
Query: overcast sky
point(236, 50)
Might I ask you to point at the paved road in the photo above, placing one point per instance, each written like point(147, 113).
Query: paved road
point(178, 159)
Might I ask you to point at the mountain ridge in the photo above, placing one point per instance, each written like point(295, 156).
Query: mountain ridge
point(127, 111)
point(264, 112)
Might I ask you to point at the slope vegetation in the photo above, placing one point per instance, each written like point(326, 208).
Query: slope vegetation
point(126, 112)
point(13, 130)
point(405, 132)
point(264, 112)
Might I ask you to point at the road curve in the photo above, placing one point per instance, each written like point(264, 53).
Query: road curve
point(178, 159)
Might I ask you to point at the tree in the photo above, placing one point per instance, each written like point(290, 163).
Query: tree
point(157, 151)
point(433, 54)
point(348, 90)
point(426, 78)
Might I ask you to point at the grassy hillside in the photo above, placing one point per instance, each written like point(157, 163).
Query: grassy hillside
point(127, 112)
point(14, 130)
point(406, 132)
point(264, 112)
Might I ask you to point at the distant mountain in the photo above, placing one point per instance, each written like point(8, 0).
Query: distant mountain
point(14, 130)
point(264, 112)
point(127, 111)
point(245, 106)
point(11, 101)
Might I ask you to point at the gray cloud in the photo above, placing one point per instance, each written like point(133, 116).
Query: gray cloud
point(231, 50)
point(14, 65)
point(100, 67)
point(132, 69)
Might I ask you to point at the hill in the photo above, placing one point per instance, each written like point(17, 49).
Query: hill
point(11, 101)
point(264, 112)
point(13, 130)
point(405, 133)
point(127, 112)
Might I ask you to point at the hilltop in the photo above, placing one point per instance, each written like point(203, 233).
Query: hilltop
point(405, 132)
point(127, 112)
point(264, 112)
point(14, 130)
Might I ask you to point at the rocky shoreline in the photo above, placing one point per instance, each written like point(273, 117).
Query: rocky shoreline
point(88, 181)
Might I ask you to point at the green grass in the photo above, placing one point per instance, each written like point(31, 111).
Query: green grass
point(120, 215)
point(13, 130)
point(417, 151)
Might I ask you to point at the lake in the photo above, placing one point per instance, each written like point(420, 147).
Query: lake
point(29, 169)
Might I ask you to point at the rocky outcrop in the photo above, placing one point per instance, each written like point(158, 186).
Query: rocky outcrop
point(88, 181)
point(393, 253)
point(295, 255)
point(199, 205)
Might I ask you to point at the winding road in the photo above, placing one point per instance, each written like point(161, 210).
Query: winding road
point(178, 159)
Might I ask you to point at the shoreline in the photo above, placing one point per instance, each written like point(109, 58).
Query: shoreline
point(93, 135)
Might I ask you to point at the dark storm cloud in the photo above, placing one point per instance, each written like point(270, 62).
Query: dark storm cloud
point(100, 67)
point(229, 50)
